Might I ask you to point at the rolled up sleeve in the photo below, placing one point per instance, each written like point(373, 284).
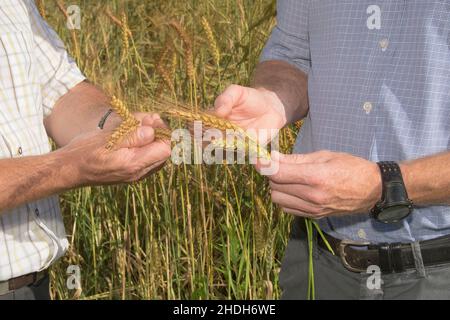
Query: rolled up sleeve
point(289, 40)
point(57, 71)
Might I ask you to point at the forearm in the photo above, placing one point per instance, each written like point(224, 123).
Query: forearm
point(30, 178)
point(77, 112)
point(288, 83)
point(427, 179)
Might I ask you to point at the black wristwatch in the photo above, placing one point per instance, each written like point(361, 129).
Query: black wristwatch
point(394, 204)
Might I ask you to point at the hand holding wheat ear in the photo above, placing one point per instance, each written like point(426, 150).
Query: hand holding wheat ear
point(129, 124)
point(181, 112)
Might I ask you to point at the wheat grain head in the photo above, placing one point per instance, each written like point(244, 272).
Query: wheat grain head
point(212, 43)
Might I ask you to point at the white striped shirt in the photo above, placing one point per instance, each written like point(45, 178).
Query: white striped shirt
point(35, 70)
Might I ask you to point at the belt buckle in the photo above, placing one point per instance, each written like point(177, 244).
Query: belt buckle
point(345, 243)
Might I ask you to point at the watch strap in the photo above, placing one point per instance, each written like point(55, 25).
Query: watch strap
point(393, 187)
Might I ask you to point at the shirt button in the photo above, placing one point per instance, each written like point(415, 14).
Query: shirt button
point(384, 43)
point(36, 212)
point(19, 151)
point(362, 234)
point(367, 107)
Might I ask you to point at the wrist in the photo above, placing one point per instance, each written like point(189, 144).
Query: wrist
point(406, 175)
point(376, 183)
point(111, 122)
point(69, 173)
point(275, 103)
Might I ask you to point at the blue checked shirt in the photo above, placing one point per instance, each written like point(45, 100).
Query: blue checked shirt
point(379, 88)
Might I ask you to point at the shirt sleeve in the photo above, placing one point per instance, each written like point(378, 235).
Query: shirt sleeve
point(56, 71)
point(289, 40)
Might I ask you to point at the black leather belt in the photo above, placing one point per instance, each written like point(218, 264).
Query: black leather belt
point(389, 257)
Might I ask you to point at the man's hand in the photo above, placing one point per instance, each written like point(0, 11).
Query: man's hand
point(136, 156)
point(250, 108)
point(324, 183)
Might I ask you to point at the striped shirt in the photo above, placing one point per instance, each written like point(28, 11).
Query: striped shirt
point(35, 71)
point(379, 88)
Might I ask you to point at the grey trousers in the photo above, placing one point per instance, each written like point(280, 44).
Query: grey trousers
point(37, 291)
point(334, 282)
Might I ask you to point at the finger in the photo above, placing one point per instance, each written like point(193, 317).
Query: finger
point(148, 120)
point(301, 213)
point(306, 192)
point(289, 201)
point(150, 154)
point(314, 157)
point(227, 100)
point(143, 135)
point(286, 173)
point(147, 172)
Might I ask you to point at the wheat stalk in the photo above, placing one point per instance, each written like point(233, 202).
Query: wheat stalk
point(212, 43)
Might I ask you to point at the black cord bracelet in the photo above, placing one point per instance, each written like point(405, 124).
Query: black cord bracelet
point(103, 119)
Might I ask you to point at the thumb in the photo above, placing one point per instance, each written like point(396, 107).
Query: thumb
point(227, 100)
point(140, 137)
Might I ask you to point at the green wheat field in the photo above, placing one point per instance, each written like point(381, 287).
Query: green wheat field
point(189, 231)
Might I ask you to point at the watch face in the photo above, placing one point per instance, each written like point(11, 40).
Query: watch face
point(394, 213)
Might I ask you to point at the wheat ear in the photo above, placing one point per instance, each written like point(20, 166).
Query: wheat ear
point(41, 8)
point(206, 119)
point(125, 35)
point(163, 134)
point(128, 125)
point(116, 21)
point(189, 57)
point(212, 43)
point(242, 144)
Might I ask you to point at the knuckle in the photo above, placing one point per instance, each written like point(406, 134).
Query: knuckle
point(317, 198)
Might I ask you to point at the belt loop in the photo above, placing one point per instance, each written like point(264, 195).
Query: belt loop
point(418, 260)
